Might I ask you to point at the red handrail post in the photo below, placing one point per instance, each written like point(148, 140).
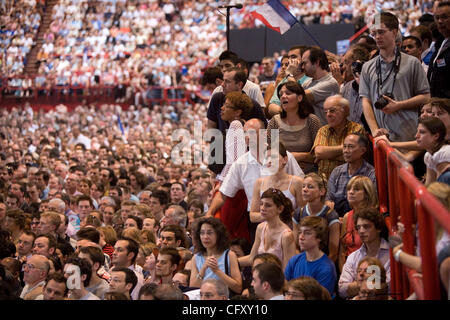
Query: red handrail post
point(430, 272)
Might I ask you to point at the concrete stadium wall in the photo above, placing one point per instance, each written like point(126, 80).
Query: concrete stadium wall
point(250, 45)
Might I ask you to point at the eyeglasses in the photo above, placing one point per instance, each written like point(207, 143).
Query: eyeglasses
point(29, 266)
point(380, 32)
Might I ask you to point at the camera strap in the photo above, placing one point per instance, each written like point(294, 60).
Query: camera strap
point(395, 67)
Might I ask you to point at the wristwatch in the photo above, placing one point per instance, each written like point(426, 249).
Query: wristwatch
point(199, 276)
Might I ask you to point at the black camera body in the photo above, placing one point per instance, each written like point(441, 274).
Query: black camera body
point(357, 67)
point(382, 102)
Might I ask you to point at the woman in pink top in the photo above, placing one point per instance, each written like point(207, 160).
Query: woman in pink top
point(273, 235)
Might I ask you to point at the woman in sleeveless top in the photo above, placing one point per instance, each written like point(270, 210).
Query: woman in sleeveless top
point(313, 192)
point(273, 235)
point(361, 194)
point(288, 184)
point(213, 258)
point(297, 124)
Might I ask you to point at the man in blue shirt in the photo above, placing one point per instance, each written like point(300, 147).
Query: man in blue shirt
point(312, 261)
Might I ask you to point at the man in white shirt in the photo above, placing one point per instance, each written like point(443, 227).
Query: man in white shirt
point(246, 170)
point(243, 174)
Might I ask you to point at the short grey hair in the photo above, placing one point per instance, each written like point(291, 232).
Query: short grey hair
point(221, 287)
point(342, 102)
point(60, 204)
point(110, 200)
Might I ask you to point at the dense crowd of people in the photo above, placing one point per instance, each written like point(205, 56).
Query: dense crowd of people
point(200, 201)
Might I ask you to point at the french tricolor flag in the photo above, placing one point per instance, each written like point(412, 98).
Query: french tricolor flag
point(275, 16)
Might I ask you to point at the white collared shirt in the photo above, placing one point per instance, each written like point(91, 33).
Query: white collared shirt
point(246, 170)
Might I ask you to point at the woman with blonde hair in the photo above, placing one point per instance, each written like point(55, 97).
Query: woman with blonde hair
point(108, 238)
point(360, 194)
point(133, 233)
point(313, 192)
point(148, 236)
point(145, 250)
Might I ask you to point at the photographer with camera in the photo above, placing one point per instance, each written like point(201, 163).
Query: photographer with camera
point(393, 85)
point(353, 61)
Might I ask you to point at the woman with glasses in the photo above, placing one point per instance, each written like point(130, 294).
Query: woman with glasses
point(273, 235)
point(213, 257)
point(297, 124)
point(360, 194)
point(313, 193)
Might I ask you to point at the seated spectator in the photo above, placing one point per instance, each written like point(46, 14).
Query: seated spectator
point(312, 262)
point(147, 291)
point(166, 265)
point(276, 211)
point(95, 256)
point(213, 258)
point(268, 281)
point(292, 72)
point(372, 280)
point(297, 124)
point(327, 148)
point(372, 231)
point(168, 292)
point(214, 289)
point(361, 194)
point(431, 136)
point(306, 288)
point(55, 287)
point(290, 185)
point(313, 193)
point(123, 280)
point(77, 287)
point(354, 148)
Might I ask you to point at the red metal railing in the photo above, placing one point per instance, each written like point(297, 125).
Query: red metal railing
point(73, 93)
point(407, 200)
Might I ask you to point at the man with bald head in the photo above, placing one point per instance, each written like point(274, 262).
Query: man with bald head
point(327, 148)
point(242, 175)
point(35, 272)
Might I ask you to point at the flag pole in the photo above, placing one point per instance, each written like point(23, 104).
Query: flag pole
point(304, 29)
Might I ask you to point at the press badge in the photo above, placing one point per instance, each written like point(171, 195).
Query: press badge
point(441, 63)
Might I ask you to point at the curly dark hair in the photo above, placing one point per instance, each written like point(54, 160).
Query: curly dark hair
point(280, 199)
point(223, 240)
point(305, 107)
point(374, 216)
